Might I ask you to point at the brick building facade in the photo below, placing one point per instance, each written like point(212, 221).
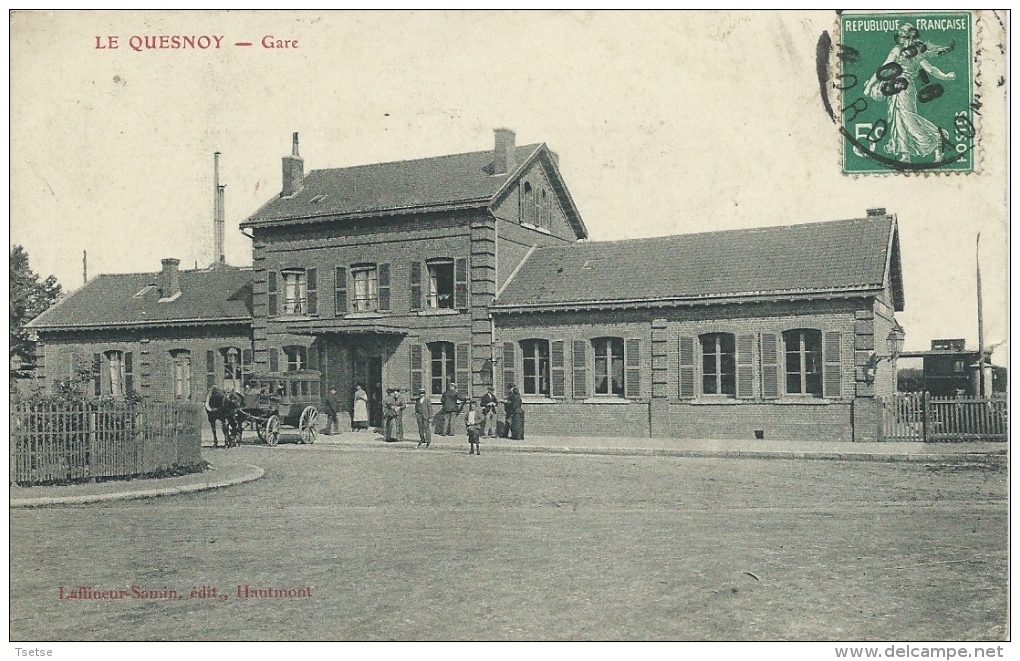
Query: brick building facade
point(475, 268)
point(166, 335)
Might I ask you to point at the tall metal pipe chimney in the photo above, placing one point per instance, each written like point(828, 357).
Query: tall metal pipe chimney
point(219, 258)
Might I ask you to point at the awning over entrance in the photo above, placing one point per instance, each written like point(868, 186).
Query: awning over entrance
point(345, 327)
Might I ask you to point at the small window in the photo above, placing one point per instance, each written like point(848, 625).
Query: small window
point(443, 366)
point(535, 364)
point(440, 285)
point(232, 371)
point(609, 366)
point(181, 360)
point(718, 364)
point(803, 361)
point(528, 204)
point(295, 292)
point(366, 287)
point(958, 367)
point(297, 358)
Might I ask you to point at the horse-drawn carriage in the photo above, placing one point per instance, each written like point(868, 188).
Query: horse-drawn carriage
point(276, 403)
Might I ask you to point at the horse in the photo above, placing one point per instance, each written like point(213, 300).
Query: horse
point(225, 406)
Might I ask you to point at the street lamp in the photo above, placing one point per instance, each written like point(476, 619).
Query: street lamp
point(894, 344)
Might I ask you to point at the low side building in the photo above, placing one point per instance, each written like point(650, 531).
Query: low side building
point(165, 335)
point(766, 332)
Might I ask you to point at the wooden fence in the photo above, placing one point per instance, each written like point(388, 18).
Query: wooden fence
point(921, 417)
point(77, 441)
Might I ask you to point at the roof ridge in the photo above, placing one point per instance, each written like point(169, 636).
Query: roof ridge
point(416, 160)
point(758, 229)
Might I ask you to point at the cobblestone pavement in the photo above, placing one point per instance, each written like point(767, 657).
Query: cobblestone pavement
point(405, 544)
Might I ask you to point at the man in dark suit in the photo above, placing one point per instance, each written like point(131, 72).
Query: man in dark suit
point(451, 407)
point(423, 414)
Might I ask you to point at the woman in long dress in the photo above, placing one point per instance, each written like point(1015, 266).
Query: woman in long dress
point(909, 134)
point(360, 419)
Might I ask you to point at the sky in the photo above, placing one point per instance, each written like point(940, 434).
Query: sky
point(665, 123)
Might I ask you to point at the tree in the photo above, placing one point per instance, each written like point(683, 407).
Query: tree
point(30, 297)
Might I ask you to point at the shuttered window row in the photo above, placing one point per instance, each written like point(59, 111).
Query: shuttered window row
point(440, 283)
point(607, 366)
point(798, 362)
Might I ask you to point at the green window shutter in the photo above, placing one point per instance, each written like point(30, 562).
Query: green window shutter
point(341, 290)
point(129, 377)
point(632, 369)
point(384, 287)
point(463, 365)
point(509, 362)
point(313, 294)
point(686, 367)
point(271, 291)
point(832, 358)
point(210, 368)
point(460, 287)
point(769, 366)
point(579, 363)
point(415, 287)
point(97, 374)
point(557, 369)
point(745, 366)
point(274, 360)
point(417, 372)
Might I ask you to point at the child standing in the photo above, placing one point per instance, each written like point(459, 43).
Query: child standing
point(472, 423)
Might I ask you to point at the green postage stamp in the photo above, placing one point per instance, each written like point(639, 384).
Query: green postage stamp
point(907, 89)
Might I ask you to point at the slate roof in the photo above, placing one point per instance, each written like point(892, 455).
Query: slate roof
point(844, 256)
point(110, 301)
point(438, 183)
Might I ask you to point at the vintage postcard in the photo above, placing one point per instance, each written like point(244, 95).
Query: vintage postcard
point(510, 326)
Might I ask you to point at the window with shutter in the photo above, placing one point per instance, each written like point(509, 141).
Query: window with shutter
point(461, 284)
point(686, 367)
point(416, 288)
point(509, 364)
point(384, 287)
point(718, 364)
point(271, 291)
point(803, 361)
point(129, 377)
point(463, 369)
point(341, 291)
point(632, 361)
point(557, 368)
point(210, 368)
point(417, 369)
point(609, 366)
point(832, 355)
point(313, 294)
point(535, 367)
point(769, 366)
point(443, 368)
point(579, 364)
point(745, 366)
point(97, 374)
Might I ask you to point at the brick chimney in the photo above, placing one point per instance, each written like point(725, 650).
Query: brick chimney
point(293, 171)
point(504, 155)
point(169, 279)
point(877, 211)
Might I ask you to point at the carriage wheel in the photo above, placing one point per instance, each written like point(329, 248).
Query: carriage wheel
point(308, 424)
point(272, 430)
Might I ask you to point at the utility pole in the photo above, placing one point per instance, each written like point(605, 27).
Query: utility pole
point(981, 321)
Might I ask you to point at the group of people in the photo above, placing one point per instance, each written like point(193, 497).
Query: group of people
point(481, 419)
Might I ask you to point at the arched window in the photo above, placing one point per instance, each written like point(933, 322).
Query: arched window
point(718, 364)
point(528, 204)
point(803, 361)
point(535, 366)
point(443, 366)
point(181, 360)
point(608, 366)
point(297, 358)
